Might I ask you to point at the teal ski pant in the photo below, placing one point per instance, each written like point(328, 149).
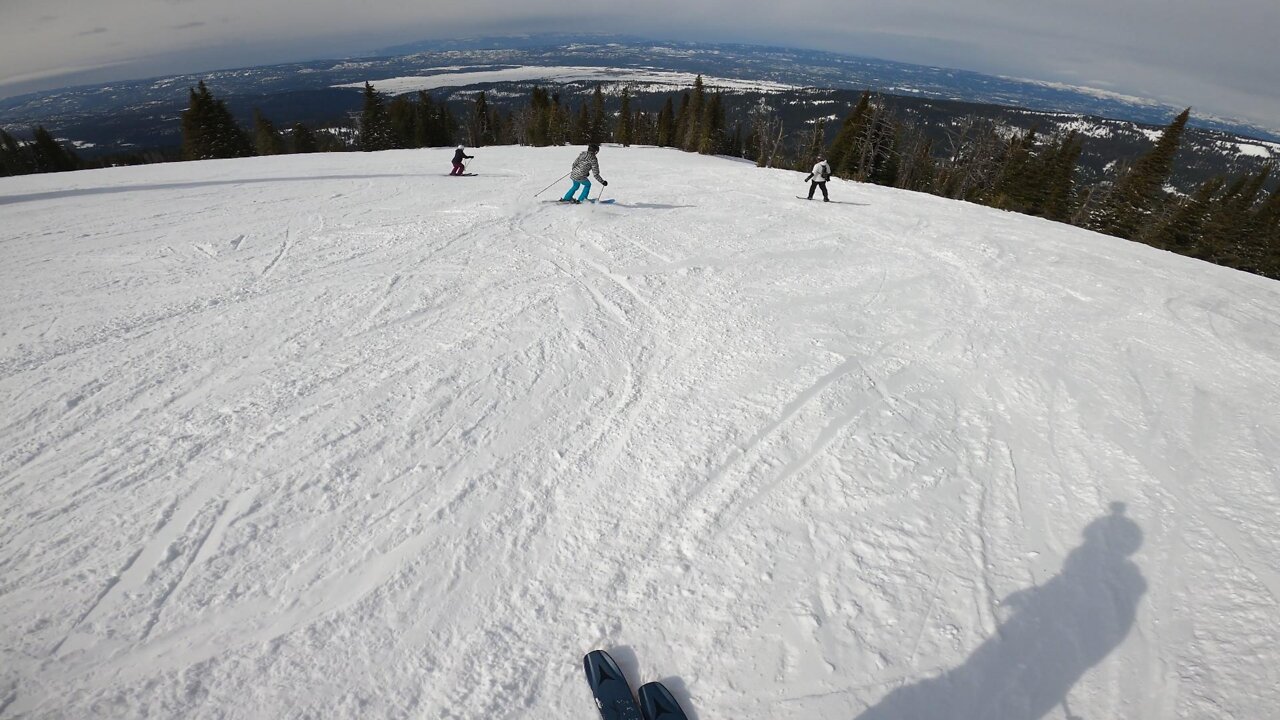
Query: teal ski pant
point(586, 188)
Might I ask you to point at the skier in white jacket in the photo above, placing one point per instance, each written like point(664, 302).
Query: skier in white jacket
point(818, 178)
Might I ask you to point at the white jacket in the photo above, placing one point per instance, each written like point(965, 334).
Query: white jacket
point(821, 172)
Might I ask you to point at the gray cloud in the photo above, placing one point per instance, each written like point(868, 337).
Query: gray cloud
point(1218, 57)
point(95, 31)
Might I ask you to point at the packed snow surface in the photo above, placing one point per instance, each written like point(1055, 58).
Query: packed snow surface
point(339, 436)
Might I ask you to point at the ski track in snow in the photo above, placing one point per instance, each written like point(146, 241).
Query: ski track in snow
point(339, 436)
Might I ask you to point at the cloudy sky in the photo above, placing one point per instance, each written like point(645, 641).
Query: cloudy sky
point(1222, 56)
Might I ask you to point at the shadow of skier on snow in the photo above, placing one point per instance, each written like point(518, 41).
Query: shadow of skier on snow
point(1051, 635)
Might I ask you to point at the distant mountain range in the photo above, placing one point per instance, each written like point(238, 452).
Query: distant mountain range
point(121, 116)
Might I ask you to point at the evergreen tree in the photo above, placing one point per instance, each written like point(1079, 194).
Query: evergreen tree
point(424, 118)
point(625, 132)
point(403, 114)
point(1229, 236)
point(1060, 191)
point(209, 130)
point(266, 139)
point(12, 158)
point(1180, 230)
point(598, 132)
point(694, 117)
point(303, 140)
point(713, 127)
point(580, 134)
point(48, 155)
point(682, 122)
point(844, 150)
point(1135, 195)
point(666, 124)
point(375, 123)
point(541, 118)
point(484, 126)
point(558, 133)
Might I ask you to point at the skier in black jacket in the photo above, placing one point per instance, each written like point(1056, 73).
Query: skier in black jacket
point(458, 157)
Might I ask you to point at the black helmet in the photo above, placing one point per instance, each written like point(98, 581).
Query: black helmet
point(593, 148)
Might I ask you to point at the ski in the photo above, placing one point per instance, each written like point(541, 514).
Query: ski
point(610, 201)
point(610, 688)
point(464, 175)
point(657, 703)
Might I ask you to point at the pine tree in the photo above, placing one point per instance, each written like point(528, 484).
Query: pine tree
point(1060, 191)
point(626, 123)
point(666, 124)
point(694, 117)
point(580, 134)
point(682, 122)
point(209, 130)
point(540, 118)
point(48, 155)
point(266, 139)
point(1180, 231)
point(713, 126)
point(844, 150)
point(302, 139)
point(403, 113)
point(375, 123)
point(598, 132)
point(12, 158)
point(1135, 195)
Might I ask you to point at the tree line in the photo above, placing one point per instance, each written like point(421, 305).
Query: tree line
point(1231, 221)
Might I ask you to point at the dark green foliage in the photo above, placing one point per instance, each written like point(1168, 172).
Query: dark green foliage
point(266, 139)
point(712, 141)
point(209, 130)
point(1137, 193)
point(541, 117)
point(1179, 230)
point(625, 132)
point(48, 155)
point(375, 123)
point(15, 158)
point(691, 135)
point(484, 125)
point(302, 139)
point(681, 122)
point(375, 131)
point(598, 131)
point(667, 124)
point(845, 149)
point(1059, 196)
point(580, 133)
point(403, 115)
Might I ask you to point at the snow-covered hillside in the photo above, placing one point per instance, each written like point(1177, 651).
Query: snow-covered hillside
point(339, 436)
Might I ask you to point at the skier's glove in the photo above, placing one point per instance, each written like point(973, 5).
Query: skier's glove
point(604, 183)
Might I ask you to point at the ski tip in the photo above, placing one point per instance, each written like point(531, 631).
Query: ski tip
point(657, 703)
point(599, 665)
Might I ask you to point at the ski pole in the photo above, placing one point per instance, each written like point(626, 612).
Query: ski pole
point(552, 184)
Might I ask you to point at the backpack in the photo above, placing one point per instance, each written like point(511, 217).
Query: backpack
point(826, 172)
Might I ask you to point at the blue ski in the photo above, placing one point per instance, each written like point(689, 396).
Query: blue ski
point(657, 703)
point(610, 688)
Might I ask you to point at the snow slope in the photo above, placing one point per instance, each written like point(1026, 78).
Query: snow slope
point(338, 436)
